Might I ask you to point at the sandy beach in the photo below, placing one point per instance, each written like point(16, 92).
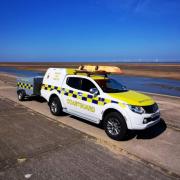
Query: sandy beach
point(169, 71)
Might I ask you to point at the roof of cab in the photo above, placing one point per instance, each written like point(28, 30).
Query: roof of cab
point(95, 77)
point(98, 77)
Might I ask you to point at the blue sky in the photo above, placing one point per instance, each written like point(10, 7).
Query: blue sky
point(110, 30)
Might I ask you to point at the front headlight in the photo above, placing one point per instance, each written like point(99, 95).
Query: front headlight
point(136, 109)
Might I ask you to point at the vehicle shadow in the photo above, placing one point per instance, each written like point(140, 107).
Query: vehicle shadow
point(41, 100)
point(35, 98)
point(149, 133)
point(87, 122)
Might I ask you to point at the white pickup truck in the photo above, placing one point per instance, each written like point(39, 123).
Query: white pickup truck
point(96, 98)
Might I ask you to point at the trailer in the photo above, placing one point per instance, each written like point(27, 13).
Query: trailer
point(29, 86)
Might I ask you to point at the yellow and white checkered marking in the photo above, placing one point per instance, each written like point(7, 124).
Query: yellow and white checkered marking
point(25, 86)
point(84, 97)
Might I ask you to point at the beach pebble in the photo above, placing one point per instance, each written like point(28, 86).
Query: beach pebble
point(27, 176)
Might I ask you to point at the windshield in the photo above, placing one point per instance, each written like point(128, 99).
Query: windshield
point(111, 86)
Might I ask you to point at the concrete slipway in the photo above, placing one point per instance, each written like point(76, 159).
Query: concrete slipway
point(157, 147)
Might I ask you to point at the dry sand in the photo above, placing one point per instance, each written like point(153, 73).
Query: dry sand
point(170, 71)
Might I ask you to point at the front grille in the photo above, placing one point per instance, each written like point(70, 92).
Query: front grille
point(152, 119)
point(150, 109)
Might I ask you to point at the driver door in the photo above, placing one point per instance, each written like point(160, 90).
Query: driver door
point(84, 104)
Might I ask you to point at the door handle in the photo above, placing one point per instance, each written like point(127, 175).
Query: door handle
point(79, 93)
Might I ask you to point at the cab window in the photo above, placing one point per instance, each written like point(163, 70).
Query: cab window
point(74, 82)
point(87, 85)
point(80, 83)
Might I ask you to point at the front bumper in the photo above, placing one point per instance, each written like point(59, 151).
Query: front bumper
point(144, 121)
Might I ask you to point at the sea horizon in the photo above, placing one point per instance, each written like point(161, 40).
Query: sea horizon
point(79, 60)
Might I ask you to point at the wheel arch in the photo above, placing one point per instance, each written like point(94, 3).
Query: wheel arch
point(123, 114)
point(111, 110)
point(53, 96)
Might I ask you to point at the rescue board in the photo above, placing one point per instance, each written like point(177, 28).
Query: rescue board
point(105, 69)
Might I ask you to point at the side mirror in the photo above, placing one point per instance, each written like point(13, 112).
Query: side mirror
point(94, 91)
point(124, 87)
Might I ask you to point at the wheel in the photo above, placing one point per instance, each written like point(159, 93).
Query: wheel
point(21, 95)
point(55, 106)
point(115, 126)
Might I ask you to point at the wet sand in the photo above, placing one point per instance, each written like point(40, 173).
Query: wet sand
point(168, 71)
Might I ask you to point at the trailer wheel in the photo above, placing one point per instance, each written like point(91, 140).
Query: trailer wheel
point(115, 126)
point(21, 95)
point(55, 106)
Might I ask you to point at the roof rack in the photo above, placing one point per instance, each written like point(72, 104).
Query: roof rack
point(100, 70)
point(89, 73)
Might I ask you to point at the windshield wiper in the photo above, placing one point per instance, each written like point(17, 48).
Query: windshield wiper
point(118, 90)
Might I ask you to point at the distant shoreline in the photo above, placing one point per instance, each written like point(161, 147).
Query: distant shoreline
point(89, 62)
point(155, 70)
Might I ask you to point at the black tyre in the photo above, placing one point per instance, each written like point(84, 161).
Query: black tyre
point(21, 95)
point(55, 106)
point(115, 126)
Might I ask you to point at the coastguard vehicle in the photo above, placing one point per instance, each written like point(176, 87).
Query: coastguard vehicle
point(92, 94)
